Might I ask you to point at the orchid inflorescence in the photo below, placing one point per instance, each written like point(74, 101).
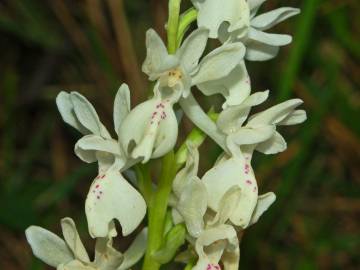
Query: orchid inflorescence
point(208, 213)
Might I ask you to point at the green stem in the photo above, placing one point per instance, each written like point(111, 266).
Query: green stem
point(190, 265)
point(144, 181)
point(159, 202)
point(186, 19)
point(157, 211)
point(173, 24)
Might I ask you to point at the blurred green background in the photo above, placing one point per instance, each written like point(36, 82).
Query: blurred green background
point(92, 46)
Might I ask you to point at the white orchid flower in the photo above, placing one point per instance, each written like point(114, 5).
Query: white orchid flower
point(189, 200)
point(110, 195)
point(156, 131)
point(259, 133)
point(236, 20)
point(260, 130)
point(219, 241)
point(71, 253)
point(97, 144)
point(183, 70)
point(217, 244)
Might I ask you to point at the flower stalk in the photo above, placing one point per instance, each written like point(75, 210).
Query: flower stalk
point(159, 203)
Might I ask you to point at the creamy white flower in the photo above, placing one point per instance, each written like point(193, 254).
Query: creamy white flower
point(176, 74)
point(71, 254)
point(236, 20)
point(183, 70)
point(110, 195)
point(259, 133)
point(234, 205)
point(189, 198)
point(97, 144)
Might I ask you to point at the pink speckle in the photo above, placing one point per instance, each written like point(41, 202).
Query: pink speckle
point(247, 168)
point(97, 177)
point(97, 186)
point(248, 182)
point(213, 266)
point(102, 177)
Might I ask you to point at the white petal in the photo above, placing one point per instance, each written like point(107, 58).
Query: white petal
point(235, 87)
point(257, 51)
point(212, 13)
point(74, 265)
point(48, 247)
point(188, 172)
point(268, 38)
point(73, 240)
point(296, 117)
point(106, 256)
point(275, 144)
point(196, 114)
point(219, 63)
point(275, 114)
point(233, 117)
point(212, 243)
point(227, 205)
point(66, 109)
point(249, 135)
point(264, 202)
point(176, 216)
point(92, 148)
point(112, 197)
point(150, 130)
point(136, 250)
point(87, 115)
point(230, 173)
point(192, 206)
point(157, 58)
point(121, 105)
point(271, 18)
point(193, 47)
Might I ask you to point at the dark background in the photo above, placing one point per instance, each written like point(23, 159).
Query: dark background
point(92, 46)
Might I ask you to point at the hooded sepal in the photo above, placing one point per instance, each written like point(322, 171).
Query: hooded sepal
point(150, 130)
